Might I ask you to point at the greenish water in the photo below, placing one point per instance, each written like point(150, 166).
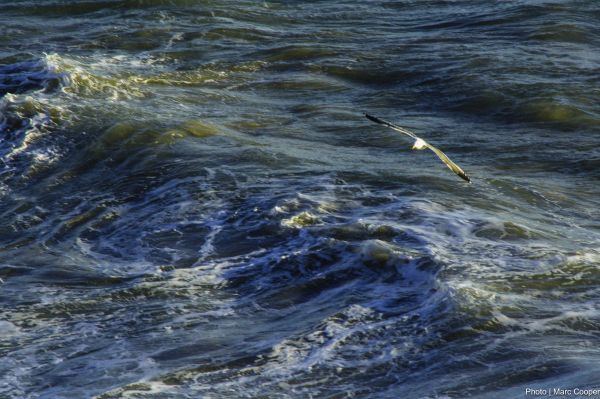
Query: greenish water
point(192, 203)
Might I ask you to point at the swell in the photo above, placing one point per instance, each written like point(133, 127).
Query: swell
point(191, 207)
point(26, 76)
point(59, 8)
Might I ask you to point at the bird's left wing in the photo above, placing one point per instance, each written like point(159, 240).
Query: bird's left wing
point(453, 167)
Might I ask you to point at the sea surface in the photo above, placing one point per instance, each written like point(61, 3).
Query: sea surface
point(192, 204)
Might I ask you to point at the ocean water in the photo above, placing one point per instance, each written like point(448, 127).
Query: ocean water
point(192, 204)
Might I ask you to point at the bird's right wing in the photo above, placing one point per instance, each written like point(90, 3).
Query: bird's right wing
point(453, 167)
point(391, 125)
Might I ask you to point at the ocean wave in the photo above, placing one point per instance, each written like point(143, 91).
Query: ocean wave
point(193, 204)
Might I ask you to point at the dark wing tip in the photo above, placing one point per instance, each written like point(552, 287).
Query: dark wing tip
point(373, 118)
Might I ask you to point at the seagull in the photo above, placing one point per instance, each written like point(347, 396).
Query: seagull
point(421, 144)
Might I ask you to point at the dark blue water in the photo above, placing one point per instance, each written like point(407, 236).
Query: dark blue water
point(192, 204)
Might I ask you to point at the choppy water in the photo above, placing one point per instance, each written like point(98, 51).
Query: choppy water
point(192, 204)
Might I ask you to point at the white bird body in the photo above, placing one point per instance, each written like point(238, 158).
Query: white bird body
point(421, 144)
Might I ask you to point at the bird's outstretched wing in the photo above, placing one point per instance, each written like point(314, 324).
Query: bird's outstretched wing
point(453, 167)
point(391, 125)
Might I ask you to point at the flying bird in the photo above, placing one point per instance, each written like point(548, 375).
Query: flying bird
point(421, 144)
